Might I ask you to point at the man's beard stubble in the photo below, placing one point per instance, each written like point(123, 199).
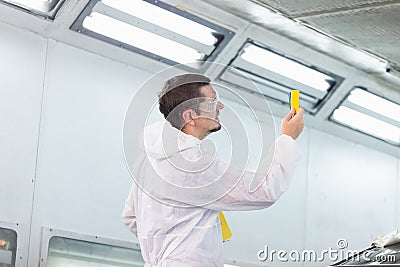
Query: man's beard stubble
point(216, 129)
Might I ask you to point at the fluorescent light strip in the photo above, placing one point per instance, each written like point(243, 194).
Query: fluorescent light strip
point(39, 5)
point(375, 103)
point(164, 19)
point(269, 88)
point(286, 67)
point(141, 39)
point(367, 124)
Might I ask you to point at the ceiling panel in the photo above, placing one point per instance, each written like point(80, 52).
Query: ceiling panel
point(374, 29)
point(296, 8)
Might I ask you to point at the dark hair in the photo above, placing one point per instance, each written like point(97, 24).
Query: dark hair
point(176, 93)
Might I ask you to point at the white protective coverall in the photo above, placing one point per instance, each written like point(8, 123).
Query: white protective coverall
point(176, 236)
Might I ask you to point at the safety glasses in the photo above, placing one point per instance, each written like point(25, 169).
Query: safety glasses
point(209, 104)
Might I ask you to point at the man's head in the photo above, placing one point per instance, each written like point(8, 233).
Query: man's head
point(190, 104)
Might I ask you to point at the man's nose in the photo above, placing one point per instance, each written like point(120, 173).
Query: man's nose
point(220, 105)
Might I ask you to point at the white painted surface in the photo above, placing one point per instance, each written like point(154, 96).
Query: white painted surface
point(23, 62)
point(280, 227)
point(351, 193)
point(82, 179)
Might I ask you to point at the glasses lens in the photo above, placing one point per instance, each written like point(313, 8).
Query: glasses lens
point(209, 105)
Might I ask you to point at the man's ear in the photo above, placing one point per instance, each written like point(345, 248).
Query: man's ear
point(188, 116)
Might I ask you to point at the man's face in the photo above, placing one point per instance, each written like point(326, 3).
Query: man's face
point(208, 120)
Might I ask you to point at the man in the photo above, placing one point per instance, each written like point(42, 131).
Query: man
point(174, 218)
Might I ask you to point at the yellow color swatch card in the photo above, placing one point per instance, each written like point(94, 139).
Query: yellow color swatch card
point(226, 231)
point(295, 100)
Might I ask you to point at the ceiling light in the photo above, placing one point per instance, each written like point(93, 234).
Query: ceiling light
point(365, 123)
point(286, 67)
point(43, 8)
point(276, 75)
point(375, 103)
point(369, 113)
point(141, 39)
point(165, 19)
point(154, 29)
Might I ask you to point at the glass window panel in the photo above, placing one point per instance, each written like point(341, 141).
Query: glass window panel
point(164, 18)
point(375, 103)
point(8, 247)
point(139, 38)
point(276, 75)
point(154, 29)
point(286, 67)
point(367, 124)
point(371, 114)
point(43, 8)
point(78, 253)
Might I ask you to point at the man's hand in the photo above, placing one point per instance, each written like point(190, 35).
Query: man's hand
point(293, 123)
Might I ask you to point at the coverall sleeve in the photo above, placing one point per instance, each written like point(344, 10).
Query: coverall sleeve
point(129, 214)
point(276, 182)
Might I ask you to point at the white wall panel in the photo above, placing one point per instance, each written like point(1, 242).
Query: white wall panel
point(22, 72)
point(279, 227)
point(351, 193)
point(82, 179)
